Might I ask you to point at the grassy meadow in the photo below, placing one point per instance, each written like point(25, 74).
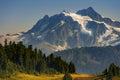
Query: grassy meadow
point(23, 76)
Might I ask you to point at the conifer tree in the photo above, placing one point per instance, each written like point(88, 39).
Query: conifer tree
point(71, 68)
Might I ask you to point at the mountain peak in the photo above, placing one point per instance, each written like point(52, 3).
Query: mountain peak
point(65, 12)
point(90, 9)
point(86, 11)
point(46, 17)
point(91, 13)
point(96, 16)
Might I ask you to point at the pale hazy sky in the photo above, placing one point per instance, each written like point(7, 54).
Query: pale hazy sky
point(21, 15)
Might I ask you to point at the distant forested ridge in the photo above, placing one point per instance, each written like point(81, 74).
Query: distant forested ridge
point(17, 57)
point(91, 59)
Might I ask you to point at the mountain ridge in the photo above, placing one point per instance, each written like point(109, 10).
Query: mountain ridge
point(67, 30)
point(91, 60)
point(96, 16)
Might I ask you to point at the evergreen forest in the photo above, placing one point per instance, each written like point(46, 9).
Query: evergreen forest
point(16, 57)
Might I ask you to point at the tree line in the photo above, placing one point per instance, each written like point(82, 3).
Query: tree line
point(111, 72)
point(18, 57)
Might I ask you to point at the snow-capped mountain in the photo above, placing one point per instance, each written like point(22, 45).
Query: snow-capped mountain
point(95, 16)
point(68, 30)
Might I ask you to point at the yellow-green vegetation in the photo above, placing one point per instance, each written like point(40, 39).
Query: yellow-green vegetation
point(23, 76)
point(40, 77)
point(116, 78)
point(84, 76)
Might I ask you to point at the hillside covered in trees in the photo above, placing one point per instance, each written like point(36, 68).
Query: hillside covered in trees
point(91, 59)
point(112, 71)
point(17, 57)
